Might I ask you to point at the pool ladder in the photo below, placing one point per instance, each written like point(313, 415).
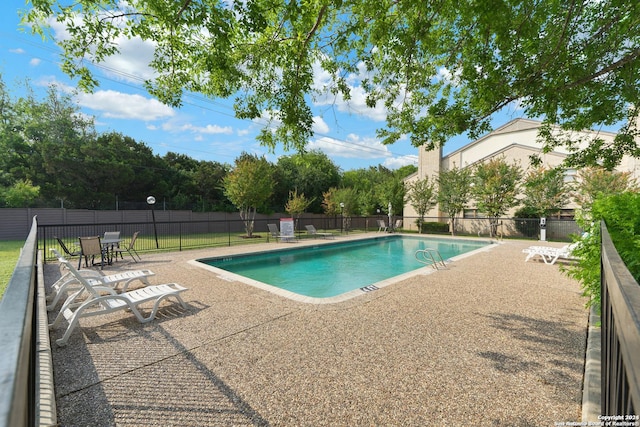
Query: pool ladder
point(430, 257)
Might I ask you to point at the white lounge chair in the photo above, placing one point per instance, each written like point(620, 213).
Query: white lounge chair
point(68, 281)
point(382, 226)
point(312, 230)
point(550, 254)
point(92, 301)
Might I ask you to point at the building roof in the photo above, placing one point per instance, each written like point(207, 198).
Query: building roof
point(518, 126)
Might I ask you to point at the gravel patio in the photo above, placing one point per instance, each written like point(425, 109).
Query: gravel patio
point(490, 341)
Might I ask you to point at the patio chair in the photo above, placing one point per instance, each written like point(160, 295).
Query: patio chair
point(112, 238)
point(92, 301)
point(75, 251)
point(111, 235)
point(549, 254)
point(398, 224)
point(68, 282)
point(312, 231)
point(130, 248)
point(273, 230)
point(90, 248)
point(382, 226)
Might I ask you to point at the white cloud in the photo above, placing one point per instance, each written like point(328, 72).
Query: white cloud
point(19, 51)
point(35, 62)
point(319, 125)
point(398, 162)
point(46, 81)
point(356, 105)
point(353, 147)
point(131, 64)
point(114, 104)
point(202, 130)
point(448, 77)
point(120, 105)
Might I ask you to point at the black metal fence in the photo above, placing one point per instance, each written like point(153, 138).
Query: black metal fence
point(180, 235)
point(521, 228)
point(18, 314)
point(620, 316)
point(19, 311)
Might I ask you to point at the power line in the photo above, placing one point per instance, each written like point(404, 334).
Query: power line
point(196, 100)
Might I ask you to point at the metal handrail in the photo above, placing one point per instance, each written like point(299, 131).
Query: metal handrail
point(620, 305)
point(430, 256)
point(18, 339)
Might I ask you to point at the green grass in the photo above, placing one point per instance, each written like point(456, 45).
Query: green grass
point(9, 253)
point(10, 250)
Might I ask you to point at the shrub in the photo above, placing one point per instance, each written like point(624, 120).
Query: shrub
point(435, 227)
point(524, 223)
point(621, 214)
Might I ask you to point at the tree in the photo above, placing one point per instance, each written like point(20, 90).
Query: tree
point(310, 173)
point(209, 179)
point(59, 147)
point(249, 185)
point(366, 182)
point(422, 195)
point(594, 182)
point(20, 195)
point(341, 201)
point(49, 143)
point(495, 189)
point(391, 189)
point(545, 191)
point(454, 191)
point(440, 69)
point(297, 204)
point(620, 213)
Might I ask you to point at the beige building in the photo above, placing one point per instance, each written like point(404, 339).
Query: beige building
point(516, 141)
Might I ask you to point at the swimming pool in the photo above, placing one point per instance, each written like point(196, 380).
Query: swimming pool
point(335, 269)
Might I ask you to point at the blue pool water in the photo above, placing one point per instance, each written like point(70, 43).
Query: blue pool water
point(328, 270)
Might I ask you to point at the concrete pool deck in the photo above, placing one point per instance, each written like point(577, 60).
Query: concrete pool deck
point(491, 340)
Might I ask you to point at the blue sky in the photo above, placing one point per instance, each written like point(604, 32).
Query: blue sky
point(203, 129)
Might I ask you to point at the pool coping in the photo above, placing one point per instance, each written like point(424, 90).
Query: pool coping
point(423, 271)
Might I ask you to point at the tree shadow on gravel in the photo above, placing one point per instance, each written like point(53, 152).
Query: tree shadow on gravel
point(554, 351)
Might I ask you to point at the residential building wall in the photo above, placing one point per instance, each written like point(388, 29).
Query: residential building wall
point(516, 141)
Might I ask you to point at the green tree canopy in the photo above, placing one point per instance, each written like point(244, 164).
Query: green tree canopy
point(440, 68)
point(454, 191)
point(48, 143)
point(545, 191)
point(422, 195)
point(310, 173)
point(495, 189)
point(596, 182)
point(249, 185)
point(620, 213)
point(19, 195)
